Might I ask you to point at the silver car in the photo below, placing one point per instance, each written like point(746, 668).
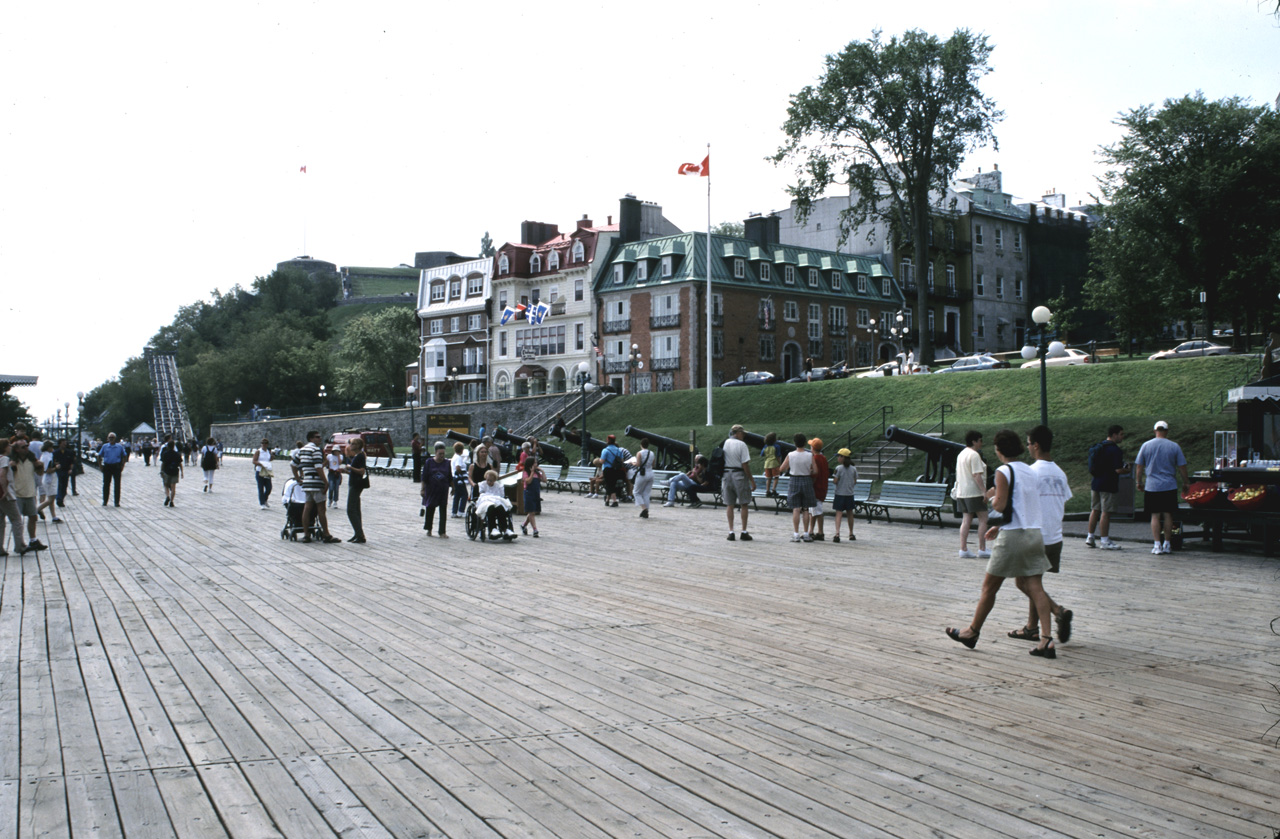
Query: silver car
point(1192, 349)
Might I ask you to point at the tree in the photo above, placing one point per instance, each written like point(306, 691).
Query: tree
point(892, 121)
point(729, 228)
point(486, 245)
point(375, 350)
point(1190, 201)
point(12, 412)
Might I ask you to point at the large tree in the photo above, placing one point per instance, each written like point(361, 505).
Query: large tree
point(376, 348)
point(1191, 195)
point(892, 121)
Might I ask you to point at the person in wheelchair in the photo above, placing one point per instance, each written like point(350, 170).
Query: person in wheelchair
point(493, 509)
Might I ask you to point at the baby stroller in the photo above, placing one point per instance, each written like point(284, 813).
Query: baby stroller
point(487, 514)
point(294, 499)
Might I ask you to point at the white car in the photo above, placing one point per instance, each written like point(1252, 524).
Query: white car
point(1192, 349)
point(1071, 359)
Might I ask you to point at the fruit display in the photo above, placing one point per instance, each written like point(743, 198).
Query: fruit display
point(1202, 494)
point(1248, 497)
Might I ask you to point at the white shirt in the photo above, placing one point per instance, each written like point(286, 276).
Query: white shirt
point(264, 458)
point(333, 460)
point(969, 463)
point(800, 463)
point(1026, 497)
point(736, 453)
point(1054, 494)
point(460, 462)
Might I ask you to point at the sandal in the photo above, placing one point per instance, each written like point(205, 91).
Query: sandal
point(1024, 633)
point(1047, 651)
point(1064, 626)
point(954, 635)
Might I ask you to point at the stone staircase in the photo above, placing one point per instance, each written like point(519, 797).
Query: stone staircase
point(881, 458)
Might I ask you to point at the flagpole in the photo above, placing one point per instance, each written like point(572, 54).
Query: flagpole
point(709, 378)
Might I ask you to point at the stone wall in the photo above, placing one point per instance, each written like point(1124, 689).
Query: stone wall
point(509, 413)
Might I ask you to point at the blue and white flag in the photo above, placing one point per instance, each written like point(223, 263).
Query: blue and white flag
point(538, 313)
point(509, 314)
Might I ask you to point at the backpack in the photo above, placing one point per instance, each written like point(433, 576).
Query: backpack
point(210, 461)
point(1095, 463)
point(717, 467)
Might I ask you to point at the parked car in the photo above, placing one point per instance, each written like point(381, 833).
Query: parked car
point(822, 374)
point(1071, 359)
point(974, 362)
point(889, 368)
point(758, 377)
point(377, 441)
point(1192, 349)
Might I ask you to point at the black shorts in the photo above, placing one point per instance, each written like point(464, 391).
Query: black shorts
point(1054, 553)
point(1165, 501)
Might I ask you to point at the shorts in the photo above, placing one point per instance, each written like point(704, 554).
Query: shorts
point(316, 495)
point(26, 506)
point(816, 509)
point(843, 504)
point(800, 492)
point(1164, 501)
point(1054, 554)
point(735, 489)
point(971, 504)
point(169, 480)
point(1103, 501)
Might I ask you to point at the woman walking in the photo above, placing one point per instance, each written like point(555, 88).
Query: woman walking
point(333, 464)
point(262, 471)
point(533, 478)
point(209, 462)
point(437, 477)
point(644, 478)
point(1018, 549)
point(358, 484)
point(461, 465)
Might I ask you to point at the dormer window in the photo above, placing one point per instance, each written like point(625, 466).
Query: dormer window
point(836, 278)
point(814, 278)
point(666, 266)
point(618, 273)
point(553, 260)
point(642, 271)
point(504, 265)
point(579, 253)
point(455, 289)
point(535, 264)
point(862, 284)
point(789, 275)
point(765, 274)
point(884, 287)
point(739, 269)
point(437, 292)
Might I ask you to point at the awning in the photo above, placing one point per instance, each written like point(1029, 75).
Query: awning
point(531, 371)
point(17, 381)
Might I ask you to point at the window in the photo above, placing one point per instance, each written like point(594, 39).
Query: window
point(838, 350)
point(437, 292)
point(951, 278)
point(864, 319)
point(862, 283)
point(545, 340)
point(884, 287)
point(578, 331)
point(717, 308)
point(980, 284)
point(666, 266)
point(618, 271)
point(999, 238)
point(982, 326)
point(931, 276)
point(1017, 288)
point(454, 323)
point(765, 313)
point(739, 268)
point(836, 279)
point(537, 295)
point(666, 382)
point(473, 322)
point(791, 310)
point(815, 321)
point(554, 294)
point(437, 327)
point(977, 235)
point(642, 271)
point(553, 260)
point(951, 234)
point(504, 265)
point(1017, 241)
point(765, 276)
point(535, 263)
point(768, 348)
point(837, 317)
point(579, 253)
point(905, 273)
point(717, 344)
point(455, 289)
point(999, 285)
point(815, 277)
point(475, 285)
point(577, 291)
point(789, 275)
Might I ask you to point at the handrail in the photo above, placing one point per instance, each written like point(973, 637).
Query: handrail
point(889, 452)
point(1218, 403)
point(569, 401)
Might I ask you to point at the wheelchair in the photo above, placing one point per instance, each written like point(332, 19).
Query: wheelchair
point(498, 518)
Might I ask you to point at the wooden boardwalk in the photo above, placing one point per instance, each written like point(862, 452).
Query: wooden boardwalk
point(186, 673)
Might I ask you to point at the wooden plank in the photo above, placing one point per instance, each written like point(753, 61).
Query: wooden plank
point(191, 812)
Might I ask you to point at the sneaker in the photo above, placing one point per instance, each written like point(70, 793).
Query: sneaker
point(1091, 541)
point(966, 554)
point(1108, 545)
point(644, 514)
point(731, 537)
point(1166, 548)
point(1156, 549)
point(695, 504)
point(37, 545)
point(819, 537)
point(795, 537)
point(535, 534)
point(805, 537)
point(984, 554)
point(57, 520)
point(745, 537)
point(524, 528)
point(669, 504)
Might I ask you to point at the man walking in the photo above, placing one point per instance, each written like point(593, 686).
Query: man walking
point(737, 484)
point(113, 457)
point(1161, 461)
point(64, 463)
point(308, 470)
point(1106, 465)
point(170, 469)
point(1055, 492)
point(971, 494)
point(415, 446)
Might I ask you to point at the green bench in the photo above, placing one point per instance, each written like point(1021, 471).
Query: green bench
point(926, 499)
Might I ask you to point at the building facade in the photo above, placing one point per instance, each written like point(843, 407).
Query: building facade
point(453, 321)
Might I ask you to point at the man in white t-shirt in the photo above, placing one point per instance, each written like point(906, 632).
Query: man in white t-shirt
point(1054, 494)
point(737, 484)
point(971, 494)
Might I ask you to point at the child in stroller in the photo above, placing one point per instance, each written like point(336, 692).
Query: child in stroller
point(293, 499)
point(489, 515)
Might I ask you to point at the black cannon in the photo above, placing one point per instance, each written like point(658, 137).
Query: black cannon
point(550, 453)
point(671, 452)
point(755, 441)
point(570, 435)
point(468, 440)
point(941, 466)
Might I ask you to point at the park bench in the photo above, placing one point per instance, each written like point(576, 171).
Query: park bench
point(575, 478)
point(662, 481)
point(401, 466)
point(779, 499)
point(926, 499)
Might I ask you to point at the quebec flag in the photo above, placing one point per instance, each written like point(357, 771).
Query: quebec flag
point(538, 313)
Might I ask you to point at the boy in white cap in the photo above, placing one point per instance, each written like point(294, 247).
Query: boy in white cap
point(1160, 461)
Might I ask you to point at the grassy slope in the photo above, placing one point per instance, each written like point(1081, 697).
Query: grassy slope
point(1083, 401)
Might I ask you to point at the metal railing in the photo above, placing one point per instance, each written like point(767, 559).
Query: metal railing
point(665, 363)
point(664, 321)
point(617, 325)
point(886, 451)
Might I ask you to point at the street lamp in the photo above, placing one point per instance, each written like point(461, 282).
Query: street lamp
point(453, 385)
point(79, 418)
point(410, 391)
point(238, 403)
point(633, 359)
point(585, 385)
point(1044, 349)
point(66, 419)
point(323, 393)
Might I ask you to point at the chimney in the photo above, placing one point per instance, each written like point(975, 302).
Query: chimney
point(584, 222)
point(537, 232)
point(628, 219)
point(763, 230)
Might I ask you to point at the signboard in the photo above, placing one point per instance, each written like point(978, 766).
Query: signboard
point(438, 424)
point(528, 352)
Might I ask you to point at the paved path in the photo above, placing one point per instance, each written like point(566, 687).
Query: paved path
point(186, 673)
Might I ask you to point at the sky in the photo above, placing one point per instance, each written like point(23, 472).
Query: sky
point(150, 152)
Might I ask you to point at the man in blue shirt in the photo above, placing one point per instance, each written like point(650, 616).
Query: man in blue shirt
point(113, 457)
point(1161, 461)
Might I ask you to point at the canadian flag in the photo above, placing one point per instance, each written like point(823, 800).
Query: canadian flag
point(303, 170)
point(703, 169)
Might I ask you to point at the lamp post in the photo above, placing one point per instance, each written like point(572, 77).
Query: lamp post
point(410, 391)
point(66, 419)
point(634, 359)
point(323, 393)
point(453, 385)
point(1043, 349)
point(238, 403)
point(79, 418)
point(585, 385)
